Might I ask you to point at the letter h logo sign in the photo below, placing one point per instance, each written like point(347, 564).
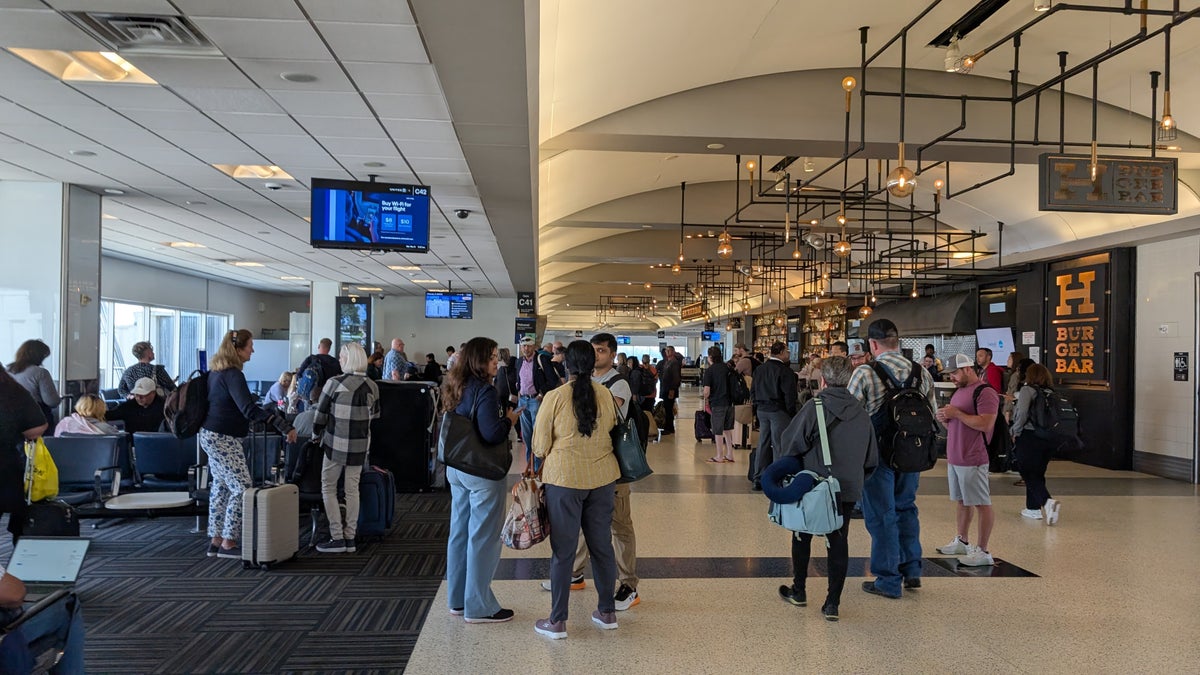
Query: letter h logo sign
point(1082, 294)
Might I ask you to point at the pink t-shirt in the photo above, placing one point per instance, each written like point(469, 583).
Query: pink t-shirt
point(966, 446)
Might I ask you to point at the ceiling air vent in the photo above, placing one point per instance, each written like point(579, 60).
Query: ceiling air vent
point(145, 34)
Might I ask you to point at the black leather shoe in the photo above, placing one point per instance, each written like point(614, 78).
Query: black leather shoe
point(912, 582)
point(869, 587)
point(856, 514)
point(757, 486)
point(830, 611)
point(793, 596)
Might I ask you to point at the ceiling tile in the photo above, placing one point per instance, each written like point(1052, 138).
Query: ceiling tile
point(359, 150)
point(431, 149)
point(114, 6)
point(268, 74)
point(321, 104)
point(179, 120)
point(194, 71)
point(343, 127)
point(43, 29)
point(257, 123)
point(229, 100)
point(132, 96)
point(257, 9)
point(423, 165)
point(394, 78)
point(263, 39)
point(420, 130)
point(379, 43)
point(367, 11)
point(410, 106)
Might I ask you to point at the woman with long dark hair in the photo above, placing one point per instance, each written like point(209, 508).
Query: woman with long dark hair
point(231, 408)
point(28, 372)
point(1033, 453)
point(572, 434)
point(476, 504)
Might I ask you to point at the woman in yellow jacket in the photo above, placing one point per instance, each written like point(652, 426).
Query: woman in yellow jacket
point(572, 434)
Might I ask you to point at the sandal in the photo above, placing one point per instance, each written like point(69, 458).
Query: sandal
point(728, 460)
point(715, 460)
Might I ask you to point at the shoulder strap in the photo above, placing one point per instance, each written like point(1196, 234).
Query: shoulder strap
point(914, 376)
point(889, 381)
point(975, 400)
point(821, 429)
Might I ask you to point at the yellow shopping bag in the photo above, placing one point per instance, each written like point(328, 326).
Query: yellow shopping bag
point(41, 475)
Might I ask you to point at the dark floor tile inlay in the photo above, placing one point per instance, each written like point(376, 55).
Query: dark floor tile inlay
point(754, 568)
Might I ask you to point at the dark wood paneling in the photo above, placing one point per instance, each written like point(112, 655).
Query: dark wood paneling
point(1175, 468)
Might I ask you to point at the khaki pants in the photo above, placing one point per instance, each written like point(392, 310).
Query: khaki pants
point(623, 540)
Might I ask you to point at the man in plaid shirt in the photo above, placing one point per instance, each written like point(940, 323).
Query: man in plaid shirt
point(889, 497)
point(342, 425)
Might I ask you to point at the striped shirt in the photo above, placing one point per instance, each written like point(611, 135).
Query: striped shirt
point(870, 390)
point(574, 460)
point(343, 420)
point(141, 369)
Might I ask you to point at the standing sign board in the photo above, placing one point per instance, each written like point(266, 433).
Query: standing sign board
point(526, 327)
point(1078, 320)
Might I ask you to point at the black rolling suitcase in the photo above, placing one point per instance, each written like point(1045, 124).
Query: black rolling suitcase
point(402, 436)
point(704, 426)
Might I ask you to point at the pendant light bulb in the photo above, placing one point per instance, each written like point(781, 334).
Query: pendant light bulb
point(725, 245)
point(864, 311)
point(1041, 5)
point(914, 288)
point(796, 251)
point(676, 269)
point(901, 181)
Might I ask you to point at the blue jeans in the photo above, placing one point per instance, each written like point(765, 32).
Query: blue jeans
point(473, 549)
point(60, 624)
point(530, 404)
point(889, 504)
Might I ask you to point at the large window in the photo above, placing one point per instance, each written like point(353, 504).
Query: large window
point(176, 336)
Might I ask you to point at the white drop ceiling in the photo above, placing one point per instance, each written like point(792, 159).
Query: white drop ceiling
point(378, 97)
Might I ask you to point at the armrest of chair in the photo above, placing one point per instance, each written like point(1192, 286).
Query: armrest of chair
point(197, 479)
point(99, 478)
point(35, 608)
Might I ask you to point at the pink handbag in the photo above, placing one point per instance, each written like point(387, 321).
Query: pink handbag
point(528, 521)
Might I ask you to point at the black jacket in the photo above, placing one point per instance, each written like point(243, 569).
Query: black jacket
point(852, 444)
point(775, 387)
point(545, 377)
point(670, 376)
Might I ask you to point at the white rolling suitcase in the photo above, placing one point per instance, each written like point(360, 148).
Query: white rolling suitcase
point(270, 525)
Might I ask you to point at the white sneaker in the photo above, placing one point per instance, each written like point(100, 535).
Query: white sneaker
point(955, 547)
point(976, 557)
point(1051, 507)
point(1032, 514)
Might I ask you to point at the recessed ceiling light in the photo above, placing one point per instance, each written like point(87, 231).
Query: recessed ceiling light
point(405, 268)
point(715, 146)
point(670, 157)
point(369, 288)
point(298, 77)
point(107, 216)
point(425, 281)
point(82, 153)
point(84, 66)
point(292, 278)
point(113, 191)
point(308, 219)
point(253, 171)
point(185, 244)
point(195, 203)
point(374, 165)
point(244, 263)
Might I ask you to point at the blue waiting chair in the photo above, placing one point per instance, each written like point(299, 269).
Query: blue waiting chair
point(161, 460)
point(83, 462)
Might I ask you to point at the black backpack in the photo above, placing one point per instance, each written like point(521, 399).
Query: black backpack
point(905, 423)
point(739, 393)
point(999, 444)
point(1053, 416)
point(187, 406)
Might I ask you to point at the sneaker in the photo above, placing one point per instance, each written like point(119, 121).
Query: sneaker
point(456, 611)
point(555, 630)
point(350, 547)
point(976, 557)
point(1052, 506)
point(870, 587)
point(213, 549)
point(606, 620)
point(499, 617)
point(234, 553)
point(793, 596)
point(577, 584)
point(757, 486)
point(955, 547)
point(1032, 514)
point(626, 597)
point(912, 583)
point(332, 546)
point(830, 611)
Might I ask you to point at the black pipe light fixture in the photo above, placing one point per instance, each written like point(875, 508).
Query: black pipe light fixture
point(901, 181)
point(1166, 126)
point(678, 267)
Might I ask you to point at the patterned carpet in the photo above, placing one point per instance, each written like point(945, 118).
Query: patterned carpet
point(153, 603)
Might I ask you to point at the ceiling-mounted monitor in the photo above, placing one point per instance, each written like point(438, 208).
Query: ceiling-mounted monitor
point(444, 305)
point(370, 216)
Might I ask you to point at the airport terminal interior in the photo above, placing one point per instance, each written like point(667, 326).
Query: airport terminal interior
point(1016, 175)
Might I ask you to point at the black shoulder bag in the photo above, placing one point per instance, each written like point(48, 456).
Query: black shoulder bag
point(460, 447)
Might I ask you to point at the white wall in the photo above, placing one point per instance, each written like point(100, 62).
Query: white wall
point(31, 271)
point(405, 318)
point(129, 281)
point(1163, 416)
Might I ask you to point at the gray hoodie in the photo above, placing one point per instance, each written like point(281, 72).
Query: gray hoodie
point(852, 444)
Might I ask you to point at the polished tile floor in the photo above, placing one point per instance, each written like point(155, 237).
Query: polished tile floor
point(1110, 588)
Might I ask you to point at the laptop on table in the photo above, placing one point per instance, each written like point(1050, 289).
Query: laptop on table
point(47, 564)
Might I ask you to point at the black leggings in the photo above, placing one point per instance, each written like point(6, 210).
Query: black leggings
point(839, 556)
point(1033, 456)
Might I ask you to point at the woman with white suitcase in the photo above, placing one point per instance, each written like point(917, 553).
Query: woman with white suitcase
point(231, 408)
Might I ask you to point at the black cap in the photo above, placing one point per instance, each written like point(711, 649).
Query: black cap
point(882, 329)
point(777, 348)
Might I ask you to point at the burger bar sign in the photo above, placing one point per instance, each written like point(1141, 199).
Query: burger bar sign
point(1078, 316)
